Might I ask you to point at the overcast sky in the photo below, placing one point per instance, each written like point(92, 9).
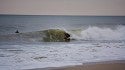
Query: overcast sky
point(63, 7)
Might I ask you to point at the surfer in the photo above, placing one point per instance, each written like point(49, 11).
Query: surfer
point(67, 35)
point(17, 31)
point(67, 39)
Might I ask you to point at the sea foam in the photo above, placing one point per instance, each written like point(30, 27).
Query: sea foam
point(97, 33)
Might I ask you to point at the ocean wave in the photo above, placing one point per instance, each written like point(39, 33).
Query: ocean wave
point(50, 35)
point(97, 33)
point(91, 33)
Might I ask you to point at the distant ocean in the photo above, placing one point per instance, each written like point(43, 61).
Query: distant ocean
point(94, 38)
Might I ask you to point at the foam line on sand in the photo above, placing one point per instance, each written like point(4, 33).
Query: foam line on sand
point(106, 65)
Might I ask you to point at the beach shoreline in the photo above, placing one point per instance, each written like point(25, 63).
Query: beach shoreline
point(103, 65)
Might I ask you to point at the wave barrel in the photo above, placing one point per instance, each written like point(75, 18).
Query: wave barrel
point(56, 35)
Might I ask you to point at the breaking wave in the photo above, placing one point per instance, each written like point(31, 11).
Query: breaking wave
point(97, 33)
point(91, 33)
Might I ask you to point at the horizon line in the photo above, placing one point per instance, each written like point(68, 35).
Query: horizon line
point(56, 15)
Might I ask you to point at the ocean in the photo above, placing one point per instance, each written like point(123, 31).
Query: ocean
point(93, 39)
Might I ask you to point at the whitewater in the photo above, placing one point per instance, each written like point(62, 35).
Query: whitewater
point(89, 43)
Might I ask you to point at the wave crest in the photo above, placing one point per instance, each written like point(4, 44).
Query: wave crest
point(97, 33)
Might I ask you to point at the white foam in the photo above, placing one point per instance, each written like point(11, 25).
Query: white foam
point(60, 54)
point(97, 33)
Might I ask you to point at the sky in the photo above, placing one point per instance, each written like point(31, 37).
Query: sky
point(63, 7)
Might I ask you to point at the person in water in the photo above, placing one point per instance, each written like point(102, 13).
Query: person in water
point(67, 39)
point(17, 31)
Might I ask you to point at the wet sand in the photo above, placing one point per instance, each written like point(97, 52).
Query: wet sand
point(107, 65)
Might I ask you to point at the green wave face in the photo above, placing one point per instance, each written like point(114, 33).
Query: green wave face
point(56, 35)
point(50, 35)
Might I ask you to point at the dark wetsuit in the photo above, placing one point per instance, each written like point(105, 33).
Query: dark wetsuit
point(17, 31)
point(67, 39)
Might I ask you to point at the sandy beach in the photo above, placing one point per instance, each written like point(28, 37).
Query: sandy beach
point(107, 65)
